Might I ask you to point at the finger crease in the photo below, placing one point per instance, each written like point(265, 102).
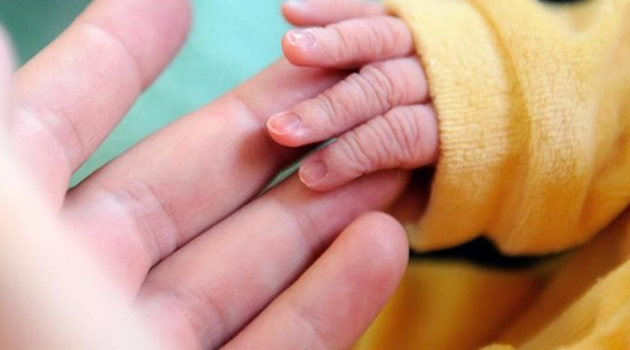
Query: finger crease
point(376, 87)
point(332, 110)
point(338, 53)
point(400, 136)
point(355, 153)
point(154, 219)
point(206, 320)
point(63, 132)
point(304, 224)
point(369, 92)
point(137, 66)
point(311, 324)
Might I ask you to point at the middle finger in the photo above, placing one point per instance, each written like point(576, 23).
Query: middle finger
point(221, 280)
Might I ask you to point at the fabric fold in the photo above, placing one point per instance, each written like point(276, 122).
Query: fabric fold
point(533, 120)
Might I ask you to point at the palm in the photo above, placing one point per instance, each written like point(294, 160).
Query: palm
point(173, 220)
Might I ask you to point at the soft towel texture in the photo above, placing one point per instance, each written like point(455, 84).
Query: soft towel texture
point(534, 108)
point(534, 114)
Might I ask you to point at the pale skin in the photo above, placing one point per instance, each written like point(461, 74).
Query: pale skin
point(177, 229)
point(382, 114)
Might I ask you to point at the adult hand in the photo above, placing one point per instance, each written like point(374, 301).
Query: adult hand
point(175, 221)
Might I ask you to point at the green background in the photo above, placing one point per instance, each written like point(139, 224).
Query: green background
point(230, 41)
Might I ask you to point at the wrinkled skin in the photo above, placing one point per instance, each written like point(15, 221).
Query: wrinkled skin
point(381, 114)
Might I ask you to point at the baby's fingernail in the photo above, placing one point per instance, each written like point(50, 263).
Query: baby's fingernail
point(313, 172)
point(295, 4)
point(301, 38)
point(284, 123)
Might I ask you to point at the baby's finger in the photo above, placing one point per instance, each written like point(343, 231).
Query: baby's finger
point(373, 91)
point(406, 137)
point(324, 12)
point(351, 43)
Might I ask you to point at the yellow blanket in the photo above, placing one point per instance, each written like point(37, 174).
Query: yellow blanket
point(534, 108)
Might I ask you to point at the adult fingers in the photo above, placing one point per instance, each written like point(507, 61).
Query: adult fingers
point(72, 94)
point(351, 43)
point(216, 284)
point(174, 185)
point(405, 137)
point(54, 296)
point(373, 91)
point(320, 13)
point(332, 304)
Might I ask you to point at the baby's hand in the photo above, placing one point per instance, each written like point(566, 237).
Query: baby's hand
point(382, 114)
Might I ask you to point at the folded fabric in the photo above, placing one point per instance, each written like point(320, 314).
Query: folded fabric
point(534, 111)
point(533, 101)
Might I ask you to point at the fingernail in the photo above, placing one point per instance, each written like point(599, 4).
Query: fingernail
point(284, 123)
point(295, 4)
point(313, 172)
point(301, 38)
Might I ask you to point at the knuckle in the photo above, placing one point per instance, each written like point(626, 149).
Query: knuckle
point(54, 127)
point(310, 324)
point(301, 222)
point(397, 139)
point(332, 111)
point(341, 44)
point(361, 91)
point(401, 78)
point(386, 142)
point(376, 78)
point(191, 307)
point(382, 36)
point(406, 129)
point(144, 204)
point(351, 152)
point(362, 87)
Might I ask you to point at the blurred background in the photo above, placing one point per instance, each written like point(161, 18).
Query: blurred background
point(229, 42)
